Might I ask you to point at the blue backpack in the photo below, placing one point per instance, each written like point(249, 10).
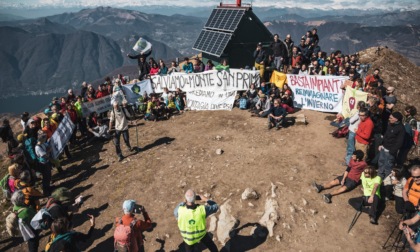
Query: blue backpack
point(243, 103)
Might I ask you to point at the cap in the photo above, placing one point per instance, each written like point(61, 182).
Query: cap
point(128, 206)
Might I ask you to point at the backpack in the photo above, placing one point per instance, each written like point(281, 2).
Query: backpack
point(12, 223)
point(243, 103)
point(4, 184)
point(341, 132)
point(58, 242)
point(123, 236)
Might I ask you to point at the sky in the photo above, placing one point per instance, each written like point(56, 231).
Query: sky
point(324, 4)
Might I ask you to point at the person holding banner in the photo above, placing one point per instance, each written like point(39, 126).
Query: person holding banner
point(143, 66)
point(119, 116)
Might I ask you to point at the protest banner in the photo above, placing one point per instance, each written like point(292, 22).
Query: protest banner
point(100, 105)
point(61, 136)
point(210, 100)
point(142, 46)
point(320, 93)
point(350, 100)
point(278, 78)
point(232, 80)
point(133, 91)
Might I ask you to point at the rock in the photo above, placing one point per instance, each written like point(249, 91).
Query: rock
point(286, 226)
point(292, 209)
point(250, 204)
point(304, 202)
point(213, 223)
point(226, 222)
point(218, 138)
point(183, 184)
point(273, 190)
point(167, 236)
point(219, 151)
point(278, 238)
point(313, 211)
point(270, 217)
point(207, 195)
point(301, 119)
point(212, 186)
point(249, 193)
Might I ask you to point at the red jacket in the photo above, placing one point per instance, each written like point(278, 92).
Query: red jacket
point(364, 131)
point(72, 114)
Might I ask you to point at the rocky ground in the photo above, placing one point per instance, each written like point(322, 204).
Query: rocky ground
point(180, 153)
point(221, 154)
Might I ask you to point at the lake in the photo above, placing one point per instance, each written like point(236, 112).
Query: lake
point(29, 103)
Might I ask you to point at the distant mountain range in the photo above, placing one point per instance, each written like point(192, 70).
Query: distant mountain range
point(53, 53)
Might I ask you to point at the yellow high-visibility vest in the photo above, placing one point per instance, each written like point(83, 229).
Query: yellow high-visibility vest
point(192, 224)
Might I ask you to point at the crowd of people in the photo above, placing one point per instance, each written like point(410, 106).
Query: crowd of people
point(379, 140)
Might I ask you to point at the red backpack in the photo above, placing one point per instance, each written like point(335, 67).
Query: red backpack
point(341, 132)
point(123, 236)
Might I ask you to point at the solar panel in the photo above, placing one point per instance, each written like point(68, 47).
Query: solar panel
point(212, 42)
point(224, 19)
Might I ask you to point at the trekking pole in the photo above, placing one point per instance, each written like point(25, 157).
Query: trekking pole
point(390, 235)
point(356, 216)
point(137, 137)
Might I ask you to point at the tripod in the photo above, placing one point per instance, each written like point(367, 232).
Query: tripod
point(397, 240)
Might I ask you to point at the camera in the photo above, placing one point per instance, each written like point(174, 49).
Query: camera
point(138, 209)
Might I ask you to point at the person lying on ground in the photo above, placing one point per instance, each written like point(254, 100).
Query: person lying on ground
point(346, 182)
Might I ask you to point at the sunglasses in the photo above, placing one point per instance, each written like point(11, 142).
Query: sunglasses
point(415, 177)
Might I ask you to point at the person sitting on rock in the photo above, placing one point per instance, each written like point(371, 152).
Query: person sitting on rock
point(348, 181)
point(371, 194)
point(277, 115)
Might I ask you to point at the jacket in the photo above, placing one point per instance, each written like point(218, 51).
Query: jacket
point(394, 138)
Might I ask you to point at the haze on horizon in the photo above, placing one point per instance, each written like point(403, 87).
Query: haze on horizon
point(386, 5)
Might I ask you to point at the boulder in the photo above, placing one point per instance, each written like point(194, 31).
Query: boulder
point(300, 119)
point(226, 222)
point(270, 216)
point(249, 193)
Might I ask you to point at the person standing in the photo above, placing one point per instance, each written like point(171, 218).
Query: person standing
point(279, 51)
point(392, 142)
point(363, 131)
point(119, 116)
point(191, 219)
point(143, 66)
point(260, 57)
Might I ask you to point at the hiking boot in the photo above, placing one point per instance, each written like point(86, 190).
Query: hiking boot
point(269, 126)
point(327, 198)
point(373, 221)
point(120, 158)
point(278, 126)
point(318, 188)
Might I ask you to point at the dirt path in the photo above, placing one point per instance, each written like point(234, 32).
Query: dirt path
point(181, 153)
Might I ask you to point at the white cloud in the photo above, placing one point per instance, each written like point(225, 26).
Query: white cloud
point(322, 4)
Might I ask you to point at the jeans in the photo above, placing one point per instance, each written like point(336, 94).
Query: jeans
point(385, 163)
point(276, 121)
point(206, 240)
point(126, 138)
point(277, 62)
point(350, 146)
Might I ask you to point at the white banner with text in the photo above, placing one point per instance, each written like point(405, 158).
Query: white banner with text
point(320, 93)
point(232, 80)
point(210, 100)
point(61, 136)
